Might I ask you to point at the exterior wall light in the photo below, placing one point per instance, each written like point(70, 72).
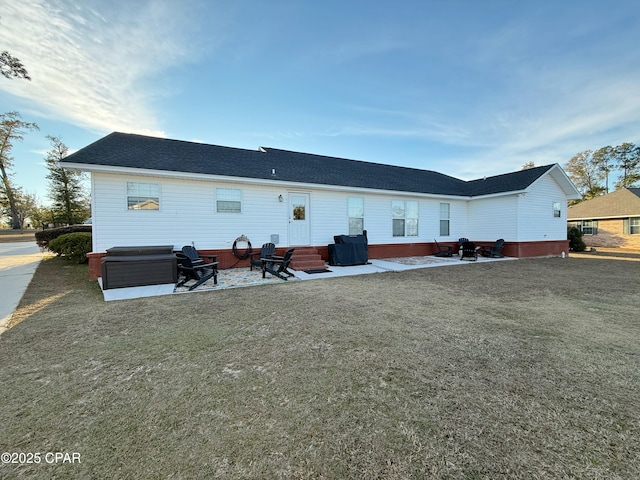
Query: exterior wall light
point(280, 198)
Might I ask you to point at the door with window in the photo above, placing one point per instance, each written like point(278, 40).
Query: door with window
point(299, 219)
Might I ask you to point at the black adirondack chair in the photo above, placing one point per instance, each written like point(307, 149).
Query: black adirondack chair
point(460, 242)
point(494, 251)
point(267, 251)
point(191, 266)
point(469, 251)
point(443, 250)
point(277, 266)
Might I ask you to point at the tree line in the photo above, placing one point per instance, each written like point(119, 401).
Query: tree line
point(591, 170)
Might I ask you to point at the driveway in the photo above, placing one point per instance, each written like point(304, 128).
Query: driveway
point(18, 262)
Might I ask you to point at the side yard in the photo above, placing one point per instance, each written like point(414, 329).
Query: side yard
point(520, 369)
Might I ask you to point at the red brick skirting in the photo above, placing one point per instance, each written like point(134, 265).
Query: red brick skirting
point(227, 259)
point(535, 249)
point(95, 269)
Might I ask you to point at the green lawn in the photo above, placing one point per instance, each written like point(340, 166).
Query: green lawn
point(520, 369)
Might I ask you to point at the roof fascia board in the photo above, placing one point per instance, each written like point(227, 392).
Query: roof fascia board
point(252, 181)
point(496, 195)
point(605, 217)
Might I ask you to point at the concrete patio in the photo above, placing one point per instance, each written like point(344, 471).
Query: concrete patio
point(243, 277)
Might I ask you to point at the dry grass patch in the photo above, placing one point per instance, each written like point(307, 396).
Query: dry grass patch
point(524, 369)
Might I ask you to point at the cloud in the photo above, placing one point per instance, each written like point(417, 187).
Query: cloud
point(90, 61)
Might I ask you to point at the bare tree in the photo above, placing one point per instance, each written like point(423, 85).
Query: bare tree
point(586, 174)
point(12, 129)
point(25, 204)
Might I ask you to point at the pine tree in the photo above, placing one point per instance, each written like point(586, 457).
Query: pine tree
point(627, 156)
point(66, 191)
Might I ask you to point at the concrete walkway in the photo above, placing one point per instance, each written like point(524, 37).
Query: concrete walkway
point(18, 263)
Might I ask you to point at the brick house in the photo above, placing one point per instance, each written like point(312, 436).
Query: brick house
point(612, 220)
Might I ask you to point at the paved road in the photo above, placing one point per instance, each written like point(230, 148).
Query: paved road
point(18, 262)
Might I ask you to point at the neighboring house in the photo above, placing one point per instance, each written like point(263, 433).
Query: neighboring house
point(612, 220)
point(148, 190)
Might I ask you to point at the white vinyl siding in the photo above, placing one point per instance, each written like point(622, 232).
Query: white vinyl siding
point(536, 220)
point(524, 217)
point(188, 214)
point(492, 218)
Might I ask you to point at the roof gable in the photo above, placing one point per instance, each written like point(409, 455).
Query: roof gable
point(508, 182)
point(623, 202)
point(130, 151)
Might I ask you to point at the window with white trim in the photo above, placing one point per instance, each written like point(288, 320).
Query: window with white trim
point(557, 209)
point(445, 219)
point(404, 218)
point(228, 200)
point(634, 226)
point(143, 196)
point(355, 208)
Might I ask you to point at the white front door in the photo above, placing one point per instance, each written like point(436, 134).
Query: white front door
point(298, 218)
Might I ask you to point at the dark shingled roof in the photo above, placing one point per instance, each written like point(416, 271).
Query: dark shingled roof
point(508, 182)
point(152, 153)
point(310, 168)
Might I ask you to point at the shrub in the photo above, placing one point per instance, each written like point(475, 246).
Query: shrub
point(43, 237)
point(576, 244)
point(74, 246)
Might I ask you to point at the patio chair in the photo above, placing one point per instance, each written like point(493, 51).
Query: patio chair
point(470, 251)
point(460, 242)
point(494, 251)
point(443, 251)
point(191, 266)
point(267, 251)
point(277, 266)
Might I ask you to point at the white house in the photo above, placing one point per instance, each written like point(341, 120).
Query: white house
point(155, 191)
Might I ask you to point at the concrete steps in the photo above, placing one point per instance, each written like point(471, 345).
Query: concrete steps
point(306, 258)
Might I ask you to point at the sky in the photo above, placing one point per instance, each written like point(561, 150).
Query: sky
point(468, 88)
